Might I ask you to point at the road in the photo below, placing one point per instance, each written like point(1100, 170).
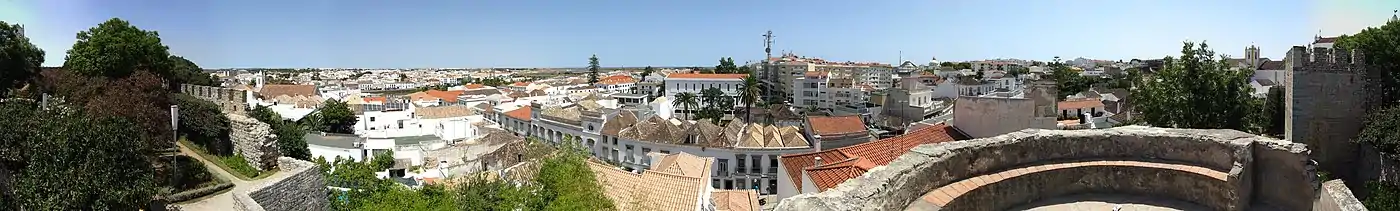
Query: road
point(222, 201)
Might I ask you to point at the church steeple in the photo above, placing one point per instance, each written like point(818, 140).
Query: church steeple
point(1393, 16)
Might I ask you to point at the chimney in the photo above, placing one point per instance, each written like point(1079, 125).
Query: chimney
point(819, 161)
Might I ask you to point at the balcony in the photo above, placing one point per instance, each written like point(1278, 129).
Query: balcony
point(772, 170)
point(722, 173)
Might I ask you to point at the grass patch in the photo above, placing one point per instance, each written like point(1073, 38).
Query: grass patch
point(235, 164)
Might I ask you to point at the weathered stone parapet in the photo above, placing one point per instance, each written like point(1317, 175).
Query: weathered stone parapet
point(302, 188)
point(253, 140)
point(1336, 197)
point(1241, 155)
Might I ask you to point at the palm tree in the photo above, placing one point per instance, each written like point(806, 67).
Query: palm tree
point(749, 95)
point(685, 100)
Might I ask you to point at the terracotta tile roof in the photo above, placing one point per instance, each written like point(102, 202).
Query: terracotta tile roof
point(706, 76)
point(376, 99)
point(520, 84)
point(1080, 104)
point(522, 113)
point(474, 86)
point(735, 200)
point(446, 96)
point(421, 96)
point(274, 90)
point(1271, 65)
point(678, 185)
point(836, 125)
point(624, 119)
point(861, 156)
point(1325, 40)
point(617, 79)
point(439, 112)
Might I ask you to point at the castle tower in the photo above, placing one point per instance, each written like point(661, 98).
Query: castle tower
point(1325, 104)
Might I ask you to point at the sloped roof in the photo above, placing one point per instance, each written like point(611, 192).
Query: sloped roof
point(706, 76)
point(675, 183)
point(446, 96)
point(567, 113)
point(836, 125)
point(836, 167)
point(623, 119)
point(522, 113)
point(274, 90)
point(1271, 65)
point(735, 200)
point(439, 112)
point(1080, 104)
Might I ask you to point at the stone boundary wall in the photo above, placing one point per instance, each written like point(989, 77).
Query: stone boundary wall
point(231, 101)
point(1284, 165)
point(302, 188)
point(1326, 105)
point(1336, 197)
point(254, 140)
point(1136, 180)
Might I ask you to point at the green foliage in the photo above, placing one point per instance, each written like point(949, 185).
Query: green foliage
point(336, 117)
point(647, 72)
point(239, 165)
point(686, 100)
point(291, 141)
point(726, 65)
point(117, 49)
point(566, 183)
point(716, 104)
point(749, 94)
point(19, 58)
point(1382, 130)
point(191, 174)
point(481, 194)
point(593, 70)
point(203, 123)
point(73, 161)
point(1381, 46)
point(184, 71)
point(1067, 81)
point(1383, 196)
point(382, 161)
point(1198, 90)
point(1274, 115)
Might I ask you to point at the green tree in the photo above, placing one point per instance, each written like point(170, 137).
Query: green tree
point(336, 117)
point(1382, 128)
point(1382, 75)
point(203, 123)
point(382, 161)
point(647, 72)
point(686, 101)
point(291, 141)
point(184, 71)
point(947, 64)
point(716, 104)
point(749, 94)
point(20, 60)
point(116, 49)
point(567, 183)
point(73, 161)
point(1198, 90)
point(726, 65)
point(1068, 81)
point(593, 70)
point(1274, 114)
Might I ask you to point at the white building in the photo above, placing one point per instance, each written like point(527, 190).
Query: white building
point(695, 83)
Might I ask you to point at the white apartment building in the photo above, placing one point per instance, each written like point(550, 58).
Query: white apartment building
point(810, 91)
point(695, 83)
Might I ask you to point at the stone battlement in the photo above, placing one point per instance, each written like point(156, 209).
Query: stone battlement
point(231, 101)
point(1325, 59)
point(1220, 169)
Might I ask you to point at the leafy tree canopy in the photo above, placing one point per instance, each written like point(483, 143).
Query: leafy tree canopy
point(56, 144)
point(336, 117)
point(1198, 90)
point(117, 49)
point(20, 59)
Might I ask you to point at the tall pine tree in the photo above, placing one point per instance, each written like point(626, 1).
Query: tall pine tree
point(593, 70)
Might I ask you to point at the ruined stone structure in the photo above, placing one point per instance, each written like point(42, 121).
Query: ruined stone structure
point(232, 101)
point(254, 140)
point(1326, 104)
point(1217, 169)
point(301, 189)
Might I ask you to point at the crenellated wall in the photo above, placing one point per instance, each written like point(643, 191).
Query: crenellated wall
point(1252, 171)
point(1327, 104)
point(231, 101)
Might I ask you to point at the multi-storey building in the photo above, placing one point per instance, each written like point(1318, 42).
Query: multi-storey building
point(789, 67)
point(745, 155)
point(696, 83)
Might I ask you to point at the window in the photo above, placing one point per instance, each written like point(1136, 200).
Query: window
point(729, 184)
point(742, 185)
point(757, 159)
point(371, 119)
point(772, 186)
point(666, 152)
point(772, 164)
point(723, 167)
point(740, 164)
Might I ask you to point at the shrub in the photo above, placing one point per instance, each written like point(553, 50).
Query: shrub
point(240, 165)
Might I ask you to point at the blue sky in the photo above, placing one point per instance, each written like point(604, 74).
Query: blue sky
point(524, 33)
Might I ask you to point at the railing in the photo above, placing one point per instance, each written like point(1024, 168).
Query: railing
point(722, 174)
point(773, 170)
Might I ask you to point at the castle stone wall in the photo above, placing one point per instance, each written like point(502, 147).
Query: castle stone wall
point(1326, 106)
point(254, 140)
point(1135, 180)
point(1261, 171)
point(303, 188)
point(231, 101)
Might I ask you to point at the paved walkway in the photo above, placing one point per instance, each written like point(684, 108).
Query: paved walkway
point(1109, 202)
point(222, 201)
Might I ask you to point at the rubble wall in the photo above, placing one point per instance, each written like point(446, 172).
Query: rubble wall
point(254, 140)
point(303, 188)
point(1326, 104)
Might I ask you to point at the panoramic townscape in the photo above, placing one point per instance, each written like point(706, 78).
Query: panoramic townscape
point(121, 122)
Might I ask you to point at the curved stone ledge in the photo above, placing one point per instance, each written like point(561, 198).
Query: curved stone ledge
point(927, 167)
point(1007, 189)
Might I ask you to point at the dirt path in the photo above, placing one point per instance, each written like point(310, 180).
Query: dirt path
point(222, 201)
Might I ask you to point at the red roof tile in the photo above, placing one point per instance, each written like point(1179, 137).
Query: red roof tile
point(1084, 103)
point(446, 96)
point(523, 113)
point(274, 90)
point(836, 125)
point(475, 86)
point(706, 76)
point(617, 79)
point(520, 84)
point(863, 156)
